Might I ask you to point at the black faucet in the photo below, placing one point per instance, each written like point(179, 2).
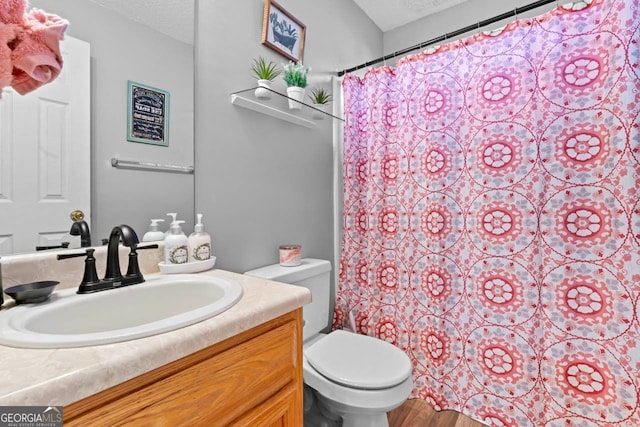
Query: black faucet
point(129, 239)
point(81, 228)
point(113, 277)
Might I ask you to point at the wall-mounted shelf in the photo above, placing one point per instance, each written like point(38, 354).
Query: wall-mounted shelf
point(307, 116)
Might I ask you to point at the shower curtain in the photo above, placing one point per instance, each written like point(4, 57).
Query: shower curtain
point(491, 224)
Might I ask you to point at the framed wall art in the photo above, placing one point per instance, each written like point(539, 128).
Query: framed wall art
point(147, 114)
point(282, 32)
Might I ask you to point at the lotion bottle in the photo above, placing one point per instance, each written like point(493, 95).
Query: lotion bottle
point(176, 245)
point(173, 216)
point(199, 243)
point(154, 234)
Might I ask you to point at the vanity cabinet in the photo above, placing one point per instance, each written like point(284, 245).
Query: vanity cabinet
point(251, 379)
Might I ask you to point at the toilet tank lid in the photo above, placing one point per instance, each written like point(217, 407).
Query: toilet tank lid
point(308, 268)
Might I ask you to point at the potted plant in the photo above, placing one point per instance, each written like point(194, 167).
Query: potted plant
point(295, 75)
point(320, 98)
point(265, 73)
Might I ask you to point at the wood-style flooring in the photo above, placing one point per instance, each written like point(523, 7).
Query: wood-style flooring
point(418, 413)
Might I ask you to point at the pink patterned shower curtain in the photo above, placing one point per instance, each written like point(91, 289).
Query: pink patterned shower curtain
point(492, 218)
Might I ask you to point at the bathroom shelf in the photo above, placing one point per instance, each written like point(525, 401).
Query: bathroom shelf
point(278, 107)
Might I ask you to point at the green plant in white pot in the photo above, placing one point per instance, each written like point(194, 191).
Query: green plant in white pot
point(295, 76)
point(320, 98)
point(265, 72)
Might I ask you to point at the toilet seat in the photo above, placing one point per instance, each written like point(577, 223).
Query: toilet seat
point(378, 400)
point(358, 361)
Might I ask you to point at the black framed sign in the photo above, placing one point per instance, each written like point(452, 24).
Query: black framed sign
point(147, 114)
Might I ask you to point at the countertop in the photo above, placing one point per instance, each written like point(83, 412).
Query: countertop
point(63, 376)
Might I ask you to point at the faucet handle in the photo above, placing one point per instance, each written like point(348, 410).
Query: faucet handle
point(90, 276)
point(152, 246)
point(133, 269)
point(63, 245)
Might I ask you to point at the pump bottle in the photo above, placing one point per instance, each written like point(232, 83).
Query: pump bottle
point(176, 245)
point(199, 243)
point(173, 216)
point(154, 234)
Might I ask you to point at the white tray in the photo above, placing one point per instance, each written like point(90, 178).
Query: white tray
point(189, 267)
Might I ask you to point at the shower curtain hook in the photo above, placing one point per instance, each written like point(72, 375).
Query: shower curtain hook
point(515, 13)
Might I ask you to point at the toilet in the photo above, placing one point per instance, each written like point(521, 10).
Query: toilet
point(350, 379)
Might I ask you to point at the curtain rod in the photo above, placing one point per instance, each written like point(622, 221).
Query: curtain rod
point(444, 37)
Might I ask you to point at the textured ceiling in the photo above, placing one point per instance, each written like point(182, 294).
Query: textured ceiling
point(171, 17)
point(389, 14)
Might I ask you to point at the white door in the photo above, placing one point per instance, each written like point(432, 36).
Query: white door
point(45, 155)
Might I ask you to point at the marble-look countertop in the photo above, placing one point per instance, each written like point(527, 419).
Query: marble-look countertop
point(63, 376)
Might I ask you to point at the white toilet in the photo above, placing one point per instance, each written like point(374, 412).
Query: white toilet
point(355, 378)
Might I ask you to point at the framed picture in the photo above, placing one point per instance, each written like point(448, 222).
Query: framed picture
point(282, 32)
point(147, 114)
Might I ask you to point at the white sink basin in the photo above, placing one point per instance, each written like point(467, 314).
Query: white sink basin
point(161, 304)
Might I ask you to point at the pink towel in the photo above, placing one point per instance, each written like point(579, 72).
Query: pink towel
point(36, 53)
point(11, 21)
point(7, 34)
point(12, 11)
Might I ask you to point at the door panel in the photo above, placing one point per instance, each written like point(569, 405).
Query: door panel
point(45, 155)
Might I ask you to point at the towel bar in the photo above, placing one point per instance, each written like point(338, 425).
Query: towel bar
point(150, 166)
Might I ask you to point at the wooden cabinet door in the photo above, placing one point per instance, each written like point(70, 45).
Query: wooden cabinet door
point(280, 411)
point(254, 379)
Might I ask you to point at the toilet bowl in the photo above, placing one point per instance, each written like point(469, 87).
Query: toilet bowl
point(353, 377)
point(344, 382)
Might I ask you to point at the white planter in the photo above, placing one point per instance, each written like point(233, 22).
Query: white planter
point(297, 93)
point(319, 115)
point(261, 92)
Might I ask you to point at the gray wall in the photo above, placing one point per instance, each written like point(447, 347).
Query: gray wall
point(122, 50)
point(262, 182)
point(457, 17)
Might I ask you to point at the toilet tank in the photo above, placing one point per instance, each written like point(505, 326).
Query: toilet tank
point(313, 274)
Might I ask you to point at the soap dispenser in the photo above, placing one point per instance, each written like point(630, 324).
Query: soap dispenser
point(176, 245)
point(173, 216)
point(154, 234)
point(199, 243)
